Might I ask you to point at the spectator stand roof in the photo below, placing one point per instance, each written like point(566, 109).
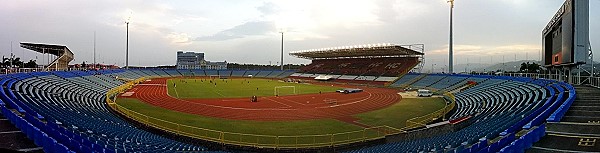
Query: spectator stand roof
point(364, 51)
point(62, 53)
point(56, 50)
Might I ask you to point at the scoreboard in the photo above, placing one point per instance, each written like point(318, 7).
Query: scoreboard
point(565, 40)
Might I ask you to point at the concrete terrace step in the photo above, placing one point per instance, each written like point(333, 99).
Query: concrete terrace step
point(588, 108)
point(582, 113)
point(17, 141)
point(585, 104)
point(12, 139)
point(580, 119)
point(576, 128)
point(585, 97)
point(5, 126)
point(588, 100)
point(566, 143)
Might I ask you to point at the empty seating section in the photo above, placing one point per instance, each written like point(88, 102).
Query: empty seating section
point(429, 80)
point(238, 73)
point(347, 77)
point(295, 74)
point(172, 72)
point(66, 111)
point(211, 72)
point(251, 73)
point(405, 79)
point(198, 72)
point(225, 73)
point(186, 72)
point(389, 66)
point(274, 74)
point(262, 73)
point(366, 78)
point(499, 106)
point(285, 74)
point(448, 81)
point(308, 75)
point(161, 73)
point(386, 79)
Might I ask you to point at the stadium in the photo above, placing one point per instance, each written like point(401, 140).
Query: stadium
point(361, 98)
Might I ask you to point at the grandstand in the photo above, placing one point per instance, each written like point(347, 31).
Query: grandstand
point(364, 64)
point(66, 111)
point(500, 114)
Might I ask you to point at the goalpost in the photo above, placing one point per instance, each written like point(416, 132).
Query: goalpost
point(281, 90)
point(212, 77)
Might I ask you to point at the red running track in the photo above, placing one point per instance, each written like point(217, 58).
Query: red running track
point(294, 107)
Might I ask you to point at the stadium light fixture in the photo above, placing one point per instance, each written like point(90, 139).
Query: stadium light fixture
point(281, 49)
point(450, 54)
point(127, 41)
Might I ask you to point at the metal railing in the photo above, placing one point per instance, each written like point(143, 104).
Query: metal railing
point(572, 79)
point(421, 121)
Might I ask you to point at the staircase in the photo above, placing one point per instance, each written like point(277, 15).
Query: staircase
point(462, 87)
point(12, 139)
point(61, 62)
point(579, 129)
point(414, 80)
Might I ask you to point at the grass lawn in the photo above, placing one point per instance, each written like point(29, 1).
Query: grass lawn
point(237, 88)
point(397, 114)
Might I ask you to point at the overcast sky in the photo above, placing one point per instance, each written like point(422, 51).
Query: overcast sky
point(246, 31)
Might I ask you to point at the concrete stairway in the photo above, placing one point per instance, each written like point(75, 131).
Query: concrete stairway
point(12, 139)
point(579, 129)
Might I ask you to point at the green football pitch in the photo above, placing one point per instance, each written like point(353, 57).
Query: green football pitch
point(305, 131)
point(394, 116)
point(239, 87)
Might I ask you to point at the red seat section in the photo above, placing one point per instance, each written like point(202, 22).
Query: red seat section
point(386, 66)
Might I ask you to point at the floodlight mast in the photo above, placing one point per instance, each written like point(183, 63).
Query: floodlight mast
point(281, 49)
point(450, 54)
point(127, 47)
point(94, 50)
point(127, 42)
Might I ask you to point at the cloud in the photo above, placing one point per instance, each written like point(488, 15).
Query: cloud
point(253, 28)
point(179, 38)
point(268, 8)
point(475, 50)
point(458, 49)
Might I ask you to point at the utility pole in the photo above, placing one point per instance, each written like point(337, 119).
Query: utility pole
point(11, 56)
point(281, 50)
point(94, 50)
point(127, 47)
point(127, 42)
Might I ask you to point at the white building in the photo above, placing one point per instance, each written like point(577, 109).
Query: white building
point(193, 60)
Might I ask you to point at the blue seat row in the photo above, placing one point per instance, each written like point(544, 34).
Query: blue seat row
point(501, 106)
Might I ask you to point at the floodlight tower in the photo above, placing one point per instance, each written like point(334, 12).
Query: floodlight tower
point(450, 56)
point(127, 42)
point(281, 49)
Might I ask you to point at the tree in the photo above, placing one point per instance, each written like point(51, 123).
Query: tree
point(31, 64)
point(16, 62)
point(533, 68)
point(529, 68)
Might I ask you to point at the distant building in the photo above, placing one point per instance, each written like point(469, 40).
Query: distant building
point(189, 60)
point(213, 65)
point(193, 60)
